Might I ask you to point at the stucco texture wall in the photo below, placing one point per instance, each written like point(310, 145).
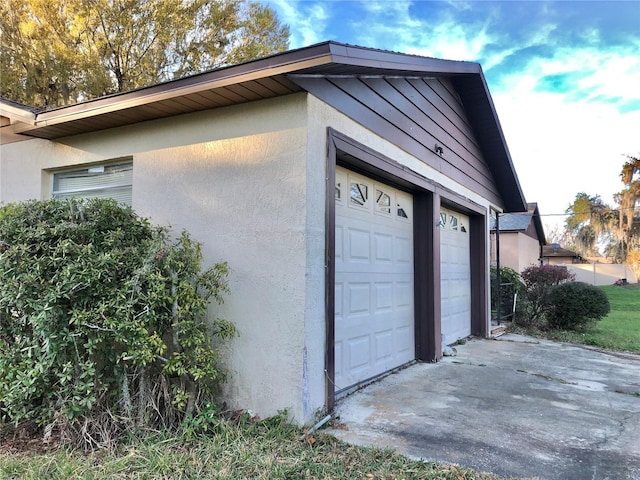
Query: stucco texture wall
point(249, 182)
point(235, 178)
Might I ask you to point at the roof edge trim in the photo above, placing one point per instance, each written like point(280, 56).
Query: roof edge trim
point(13, 112)
point(157, 93)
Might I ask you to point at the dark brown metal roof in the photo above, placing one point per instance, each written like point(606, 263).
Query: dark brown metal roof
point(267, 78)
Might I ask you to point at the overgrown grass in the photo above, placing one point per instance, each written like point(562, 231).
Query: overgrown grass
point(620, 330)
point(271, 449)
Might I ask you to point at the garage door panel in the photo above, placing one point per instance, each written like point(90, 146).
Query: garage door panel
point(359, 245)
point(339, 244)
point(383, 248)
point(339, 359)
point(383, 297)
point(359, 353)
point(404, 296)
point(376, 272)
point(359, 295)
point(404, 251)
point(455, 273)
point(384, 346)
point(338, 294)
point(405, 342)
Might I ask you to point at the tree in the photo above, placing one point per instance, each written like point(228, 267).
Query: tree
point(590, 222)
point(56, 53)
point(629, 198)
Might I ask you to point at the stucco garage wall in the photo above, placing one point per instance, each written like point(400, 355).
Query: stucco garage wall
point(235, 178)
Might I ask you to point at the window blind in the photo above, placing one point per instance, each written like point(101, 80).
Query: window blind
point(108, 181)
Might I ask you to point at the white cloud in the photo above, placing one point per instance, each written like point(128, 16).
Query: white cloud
point(571, 140)
point(560, 148)
point(563, 140)
point(307, 20)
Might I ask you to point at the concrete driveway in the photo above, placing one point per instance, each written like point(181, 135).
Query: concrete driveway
point(517, 407)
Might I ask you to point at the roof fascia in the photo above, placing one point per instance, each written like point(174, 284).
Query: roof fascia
point(537, 222)
point(279, 64)
point(503, 141)
point(366, 57)
point(518, 203)
point(17, 113)
point(287, 62)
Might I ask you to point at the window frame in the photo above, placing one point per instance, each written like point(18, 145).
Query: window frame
point(56, 192)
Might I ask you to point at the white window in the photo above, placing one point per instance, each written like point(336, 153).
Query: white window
point(97, 181)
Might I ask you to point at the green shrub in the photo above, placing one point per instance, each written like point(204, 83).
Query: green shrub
point(507, 275)
point(574, 305)
point(539, 281)
point(103, 320)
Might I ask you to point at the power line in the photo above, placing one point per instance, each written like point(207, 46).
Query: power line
point(590, 212)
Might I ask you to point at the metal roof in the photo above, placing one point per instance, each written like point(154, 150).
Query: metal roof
point(512, 222)
point(520, 222)
point(267, 78)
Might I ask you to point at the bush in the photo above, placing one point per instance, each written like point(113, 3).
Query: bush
point(539, 281)
point(573, 306)
point(507, 275)
point(103, 321)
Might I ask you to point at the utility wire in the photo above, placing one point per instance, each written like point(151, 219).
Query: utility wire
point(590, 212)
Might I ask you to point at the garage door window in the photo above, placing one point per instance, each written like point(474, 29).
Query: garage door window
point(98, 181)
point(383, 200)
point(402, 209)
point(359, 194)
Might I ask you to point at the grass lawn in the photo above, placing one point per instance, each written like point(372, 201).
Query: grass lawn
point(270, 449)
point(620, 330)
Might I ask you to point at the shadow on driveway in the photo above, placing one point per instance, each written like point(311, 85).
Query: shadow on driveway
point(518, 407)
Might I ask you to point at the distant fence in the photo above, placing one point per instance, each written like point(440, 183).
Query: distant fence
point(600, 273)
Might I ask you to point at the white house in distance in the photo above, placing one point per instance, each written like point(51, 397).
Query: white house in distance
point(349, 189)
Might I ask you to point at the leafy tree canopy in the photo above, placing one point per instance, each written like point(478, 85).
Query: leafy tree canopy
point(629, 197)
point(60, 52)
point(591, 222)
point(590, 219)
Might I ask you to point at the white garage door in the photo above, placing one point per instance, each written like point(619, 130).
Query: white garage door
point(455, 276)
point(374, 279)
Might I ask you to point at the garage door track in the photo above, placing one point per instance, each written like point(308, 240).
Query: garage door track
point(517, 407)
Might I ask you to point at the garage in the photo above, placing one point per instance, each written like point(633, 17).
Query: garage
point(455, 276)
point(374, 307)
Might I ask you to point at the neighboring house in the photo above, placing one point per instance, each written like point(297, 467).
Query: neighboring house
point(349, 189)
point(521, 239)
point(554, 254)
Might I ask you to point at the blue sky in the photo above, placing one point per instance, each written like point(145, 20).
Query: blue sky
point(564, 75)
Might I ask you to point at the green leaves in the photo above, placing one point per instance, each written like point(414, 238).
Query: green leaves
point(94, 303)
point(58, 53)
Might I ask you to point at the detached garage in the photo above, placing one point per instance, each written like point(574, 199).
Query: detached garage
point(349, 189)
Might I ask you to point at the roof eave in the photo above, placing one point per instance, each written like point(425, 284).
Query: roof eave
point(17, 113)
point(492, 139)
point(287, 62)
point(215, 79)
